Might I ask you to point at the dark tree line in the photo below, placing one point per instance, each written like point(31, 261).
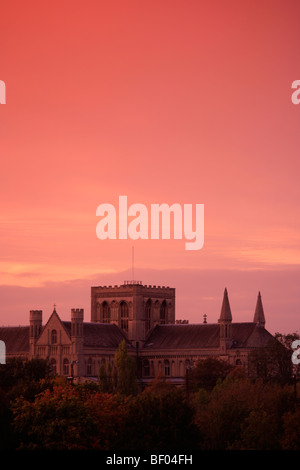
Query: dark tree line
point(224, 409)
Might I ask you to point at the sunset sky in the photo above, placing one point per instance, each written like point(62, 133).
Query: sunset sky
point(165, 101)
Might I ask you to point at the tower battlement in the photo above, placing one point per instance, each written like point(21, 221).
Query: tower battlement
point(134, 307)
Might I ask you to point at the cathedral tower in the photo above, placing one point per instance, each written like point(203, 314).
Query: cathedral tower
point(134, 307)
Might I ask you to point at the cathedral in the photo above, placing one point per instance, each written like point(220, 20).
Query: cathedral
point(144, 317)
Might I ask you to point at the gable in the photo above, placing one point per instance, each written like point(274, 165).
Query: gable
point(259, 338)
point(54, 323)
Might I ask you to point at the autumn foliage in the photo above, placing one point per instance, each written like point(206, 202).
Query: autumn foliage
point(68, 417)
point(224, 410)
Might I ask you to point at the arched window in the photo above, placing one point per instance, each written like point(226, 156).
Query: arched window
point(53, 337)
point(238, 362)
point(106, 312)
point(98, 312)
point(163, 313)
point(66, 369)
point(167, 367)
point(146, 368)
point(89, 366)
point(53, 366)
point(148, 314)
point(124, 315)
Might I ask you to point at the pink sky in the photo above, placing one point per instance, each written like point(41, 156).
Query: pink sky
point(162, 101)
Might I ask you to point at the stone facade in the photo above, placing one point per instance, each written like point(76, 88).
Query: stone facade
point(134, 308)
point(143, 316)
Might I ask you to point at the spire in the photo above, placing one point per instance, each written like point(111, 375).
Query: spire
point(225, 321)
point(225, 311)
point(259, 316)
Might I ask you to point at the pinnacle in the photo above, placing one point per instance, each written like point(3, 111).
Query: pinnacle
point(225, 310)
point(259, 316)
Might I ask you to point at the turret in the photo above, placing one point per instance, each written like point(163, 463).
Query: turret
point(77, 341)
point(35, 322)
point(225, 321)
point(77, 322)
point(259, 316)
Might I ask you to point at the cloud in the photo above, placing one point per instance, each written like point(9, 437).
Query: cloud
point(197, 292)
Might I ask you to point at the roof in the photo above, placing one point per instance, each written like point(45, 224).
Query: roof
point(16, 339)
point(100, 335)
point(201, 336)
point(178, 336)
point(183, 336)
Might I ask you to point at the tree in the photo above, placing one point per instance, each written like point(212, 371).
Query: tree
point(70, 418)
point(207, 372)
point(159, 419)
point(105, 379)
point(221, 420)
point(160, 386)
point(241, 413)
point(291, 425)
point(56, 420)
point(259, 431)
point(272, 362)
point(26, 378)
point(126, 371)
